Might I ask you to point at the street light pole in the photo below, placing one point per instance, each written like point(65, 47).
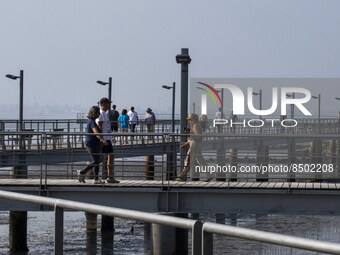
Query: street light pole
point(291, 106)
point(21, 104)
point(173, 103)
point(319, 111)
point(110, 92)
point(260, 95)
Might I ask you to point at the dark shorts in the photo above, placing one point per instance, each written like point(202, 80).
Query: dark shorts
point(107, 148)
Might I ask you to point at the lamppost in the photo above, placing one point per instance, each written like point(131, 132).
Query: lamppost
point(259, 94)
point(21, 96)
point(184, 59)
point(173, 103)
point(292, 105)
point(110, 89)
point(319, 110)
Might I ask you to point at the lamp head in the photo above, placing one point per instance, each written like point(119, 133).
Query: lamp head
point(12, 77)
point(102, 83)
point(166, 87)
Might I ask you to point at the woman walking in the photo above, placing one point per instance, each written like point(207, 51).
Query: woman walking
point(92, 142)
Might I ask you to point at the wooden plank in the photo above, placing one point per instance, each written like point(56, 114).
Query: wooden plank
point(270, 185)
point(232, 184)
point(309, 185)
point(263, 185)
point(317, 185)
point(278, 185)
point(255, 184)
point(294, 185)
point(331, 186)
point(301, 185)
point(324, 185)
point(285, 185)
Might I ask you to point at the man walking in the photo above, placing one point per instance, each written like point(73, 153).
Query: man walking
point(133, 120)
point(103, 123)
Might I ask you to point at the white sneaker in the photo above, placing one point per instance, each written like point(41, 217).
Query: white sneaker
point(81, 177)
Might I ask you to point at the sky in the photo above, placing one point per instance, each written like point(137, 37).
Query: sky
point(65, 46)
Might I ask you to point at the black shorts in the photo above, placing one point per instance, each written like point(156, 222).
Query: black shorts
point(107, 148)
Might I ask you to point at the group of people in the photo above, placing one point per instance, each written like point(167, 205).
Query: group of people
point(98, 141)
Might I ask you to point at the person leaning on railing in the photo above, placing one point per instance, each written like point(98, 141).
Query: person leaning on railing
point(92, 143)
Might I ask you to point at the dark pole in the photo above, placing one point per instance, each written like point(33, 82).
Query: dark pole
point(173, 106)
point(184, 59)
point(292, 108)
point(319, 113)
point(110, 93)
point(260, 102)
point(21, 102)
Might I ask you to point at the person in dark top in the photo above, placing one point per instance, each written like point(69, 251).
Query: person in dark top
point(114, 115)
point(93, 139)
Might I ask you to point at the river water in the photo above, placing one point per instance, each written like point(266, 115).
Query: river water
point(125, 241)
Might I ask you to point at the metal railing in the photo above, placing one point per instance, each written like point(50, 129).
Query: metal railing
point(201, 233)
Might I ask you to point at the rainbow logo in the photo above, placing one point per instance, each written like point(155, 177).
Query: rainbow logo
point(210, 91)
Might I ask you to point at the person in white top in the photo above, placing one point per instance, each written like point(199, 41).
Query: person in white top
point(103, 123)
point(133, 120)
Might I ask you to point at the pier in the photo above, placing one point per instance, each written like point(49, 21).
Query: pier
point(46, 164)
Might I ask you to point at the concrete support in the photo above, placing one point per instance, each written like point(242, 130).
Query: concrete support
point(163, 240)
point(181, 237)
point(18, 232)
point(149, 167)
point(168, 240)
point(220, 218)
point(58, 230)
point(147, 238)
point(262, 159)
point(233, 162)
point(91, 233)
point(107, 224)
point(107, 241)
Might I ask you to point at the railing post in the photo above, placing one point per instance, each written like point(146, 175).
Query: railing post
point(58, 230)
point(196, 238)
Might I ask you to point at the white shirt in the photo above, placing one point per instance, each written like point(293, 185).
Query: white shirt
point(133, 117)
point(106, 127)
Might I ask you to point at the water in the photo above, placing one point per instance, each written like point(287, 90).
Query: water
point(76, 241)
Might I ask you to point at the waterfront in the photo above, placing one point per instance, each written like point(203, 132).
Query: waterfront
point(40, 234)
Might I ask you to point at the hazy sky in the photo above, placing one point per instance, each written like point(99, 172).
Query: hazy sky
point(65, 46)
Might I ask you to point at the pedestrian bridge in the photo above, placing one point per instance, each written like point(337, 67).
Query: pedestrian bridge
point(44, 163)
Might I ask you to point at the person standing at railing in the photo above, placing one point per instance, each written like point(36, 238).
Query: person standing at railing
point(133, 118)
point(114, 115)
point(104, 125)
point(150, 121)
point(123, 122)
point(93, 144)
